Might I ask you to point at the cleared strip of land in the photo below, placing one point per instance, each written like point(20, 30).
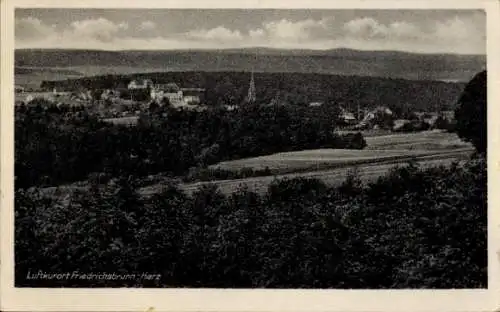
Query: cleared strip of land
point(367, 172)
point(383, 153)
point(321, 159)
point(426, 140)
point(380, 149)
point(130, 120)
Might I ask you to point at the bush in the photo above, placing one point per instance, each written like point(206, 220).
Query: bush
point(471, 112)
point(414, 228)
point(414, 126)
point(353, 141)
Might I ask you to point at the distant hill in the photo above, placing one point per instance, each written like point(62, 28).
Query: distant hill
point(391, 64)
point(32, 77)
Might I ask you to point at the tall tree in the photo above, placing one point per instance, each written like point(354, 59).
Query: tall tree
point(471, 112)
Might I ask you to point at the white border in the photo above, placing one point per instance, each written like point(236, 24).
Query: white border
point(24, 299)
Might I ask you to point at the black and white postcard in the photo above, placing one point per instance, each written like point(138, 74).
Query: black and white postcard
point(262, 156)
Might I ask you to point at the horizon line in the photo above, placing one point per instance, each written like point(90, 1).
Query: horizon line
point(256, 47)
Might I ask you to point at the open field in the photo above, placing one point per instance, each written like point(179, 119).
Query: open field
point(428, 148)
point(382, 148)
point(330, 165)
point(425, 140)
point(321, 159)
point(32, 77)
point(130, 120)
point(366, 172)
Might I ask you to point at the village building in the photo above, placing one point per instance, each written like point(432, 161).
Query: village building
point(448, 115)
point(193, 95)
point(144, 84)
point(230, 107)
point(315, 104)
point(176, 96)
point(369, 117)
point(348, 118)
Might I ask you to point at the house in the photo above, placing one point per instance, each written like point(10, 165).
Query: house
point(369, 119)
point(399, 124)
point(171, 91)
point(191, 99)
point(177, 96)
point(315, 104)
point(174, 94)
point(193, 95)
point(144, 84)
point(348, 118)
point(110, 94)
point(230, 107)
point(448, 115)
point(431, 120)
point(48, 96)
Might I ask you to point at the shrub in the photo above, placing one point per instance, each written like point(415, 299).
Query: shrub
point(414, 228)
point(471, 112)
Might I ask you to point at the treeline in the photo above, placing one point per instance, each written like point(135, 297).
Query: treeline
point(413, 228)
point(54, 145)
point(230, 88)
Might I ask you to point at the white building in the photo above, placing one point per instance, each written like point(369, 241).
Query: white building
point(348, 118)
point(193, 95)
point(175, 98)
point(191, 99)
point(315, 104)
point(175, 95)
point(170, 91)
point(135, 84)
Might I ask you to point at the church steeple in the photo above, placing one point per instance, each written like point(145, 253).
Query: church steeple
point(252, 97)
point(252, 94)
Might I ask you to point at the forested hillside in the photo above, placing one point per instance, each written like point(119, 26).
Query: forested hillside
point(338, 61)
point(295, 88)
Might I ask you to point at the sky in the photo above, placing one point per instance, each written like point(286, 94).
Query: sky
point(421, 31)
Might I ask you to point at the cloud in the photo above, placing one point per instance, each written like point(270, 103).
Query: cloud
point(449, 31)
point(286, 30)
point(453, 35)
point(32, 28)
point(31, 32)
point(147, 25)
point(367, 27)
point(460, 34)
point(99, 29)
point(459, 29)
point(219, 33)
point(279, 32)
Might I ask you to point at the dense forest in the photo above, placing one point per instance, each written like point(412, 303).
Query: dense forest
point(413, 228)
point(56, 145)
point(229, 88)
